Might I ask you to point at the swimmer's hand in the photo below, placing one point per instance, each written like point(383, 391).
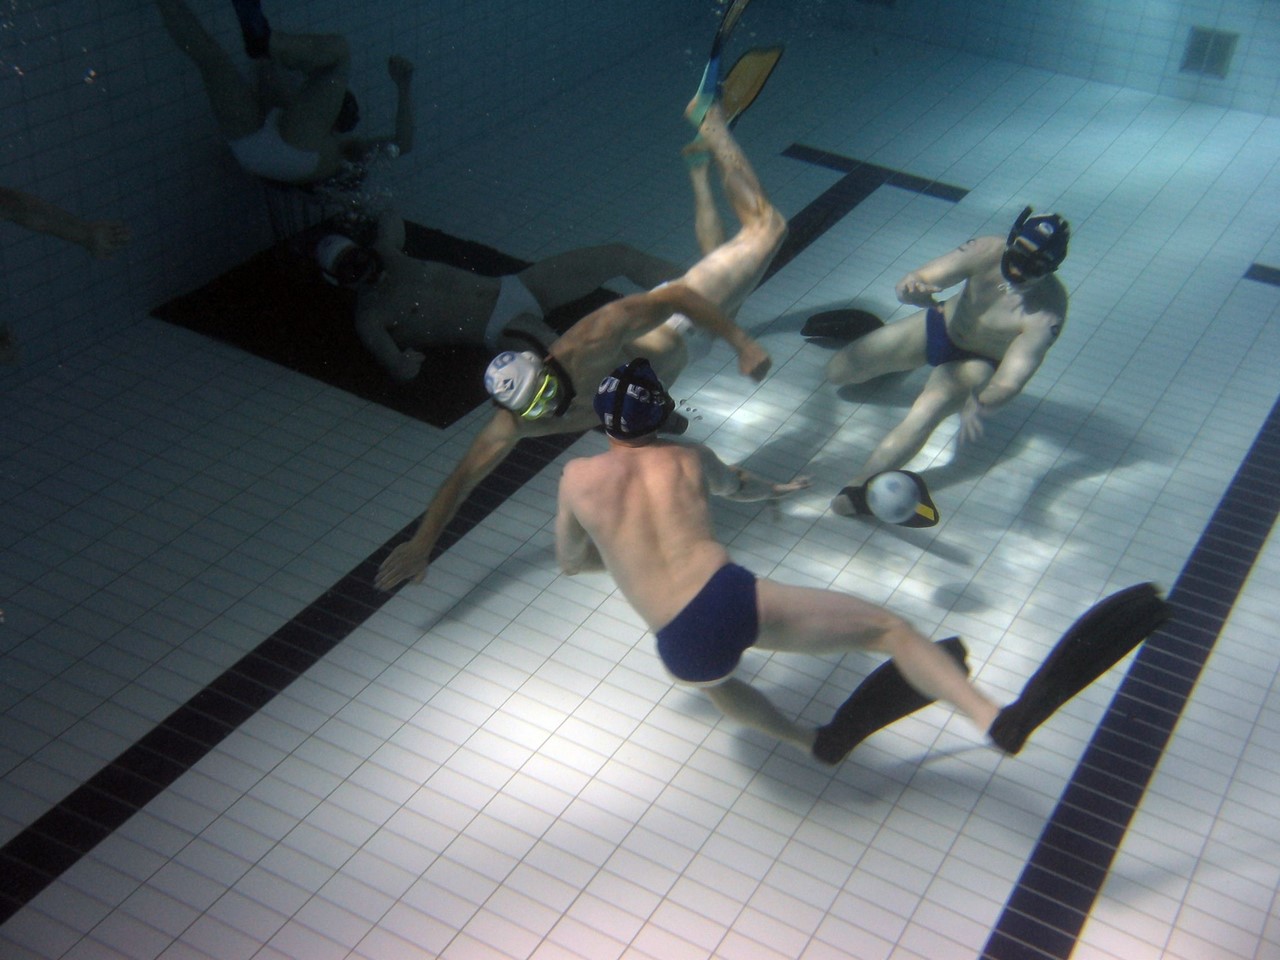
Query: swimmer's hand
point(409, 365)
point(971, 420)
point(916, 292)
point(400, 69)
point(103, 238)
point(754, 361)
point(408, 562)
point(781, 490)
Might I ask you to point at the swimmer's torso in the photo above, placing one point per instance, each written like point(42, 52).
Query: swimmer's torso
point(422, 303)
point(988, 313)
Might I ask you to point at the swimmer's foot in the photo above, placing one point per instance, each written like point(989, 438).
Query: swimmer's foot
point(851, 502)
point(1097, 640)
point(254, 27)
point(705, 98)
point(882, 698)
point(696, 153)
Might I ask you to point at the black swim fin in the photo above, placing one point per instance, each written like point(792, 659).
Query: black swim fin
point(883, 697)
point(1093, 644)
point(842, 325)
point(709, 86)
point(732, 14)
point(745, 79)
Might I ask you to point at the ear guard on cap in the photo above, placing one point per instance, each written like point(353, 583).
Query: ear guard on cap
point(513, 379)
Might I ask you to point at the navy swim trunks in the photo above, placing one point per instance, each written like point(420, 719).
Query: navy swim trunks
point(705, 641)
point(938, 346)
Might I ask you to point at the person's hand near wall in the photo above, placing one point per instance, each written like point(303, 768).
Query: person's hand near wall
point(102, 238)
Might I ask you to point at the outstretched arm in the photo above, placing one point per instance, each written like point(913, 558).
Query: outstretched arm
point(616, 323)
point(1021, 360)
point(102, 238)
point(401, 71)
point(918, 287)
point(361, 148)
point(409, 560)
point(739, 483)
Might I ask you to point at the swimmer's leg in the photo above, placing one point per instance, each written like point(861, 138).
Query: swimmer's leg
point(748, 706)
point(235, 103)
point(254, 26)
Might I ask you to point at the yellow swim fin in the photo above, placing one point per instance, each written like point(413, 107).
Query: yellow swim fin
point(747, 78)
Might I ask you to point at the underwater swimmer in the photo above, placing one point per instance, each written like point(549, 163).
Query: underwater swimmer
point(983, 344)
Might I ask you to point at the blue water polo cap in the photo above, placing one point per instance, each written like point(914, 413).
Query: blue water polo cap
point(1037, 245)
point(632, 402)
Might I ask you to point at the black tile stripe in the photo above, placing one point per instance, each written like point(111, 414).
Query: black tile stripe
point(1048, 907)
point(860, 180)
point(41, 853)
point(1263, 274)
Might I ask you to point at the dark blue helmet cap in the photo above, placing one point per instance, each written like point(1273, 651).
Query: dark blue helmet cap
point(631, 402)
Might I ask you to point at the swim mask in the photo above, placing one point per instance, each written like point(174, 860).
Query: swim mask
point(631, 402)
point(1036, 246)
point(344, 262)
point(521, 383)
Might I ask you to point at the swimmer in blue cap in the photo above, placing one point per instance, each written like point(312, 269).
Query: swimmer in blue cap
point(640, 511)
point(983, 344)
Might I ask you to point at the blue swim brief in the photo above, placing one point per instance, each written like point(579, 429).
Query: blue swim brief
point(938, 346)
point(705, 641)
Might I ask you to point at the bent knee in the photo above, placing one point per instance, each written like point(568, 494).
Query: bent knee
point(843, 368)
point(892, 631)
point(937, 404)
point(776, 226)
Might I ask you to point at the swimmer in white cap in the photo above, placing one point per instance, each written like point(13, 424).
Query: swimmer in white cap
point(536, 390)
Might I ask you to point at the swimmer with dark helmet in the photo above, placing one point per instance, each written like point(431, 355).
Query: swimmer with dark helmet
point(983, 344)
point(641, 512)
